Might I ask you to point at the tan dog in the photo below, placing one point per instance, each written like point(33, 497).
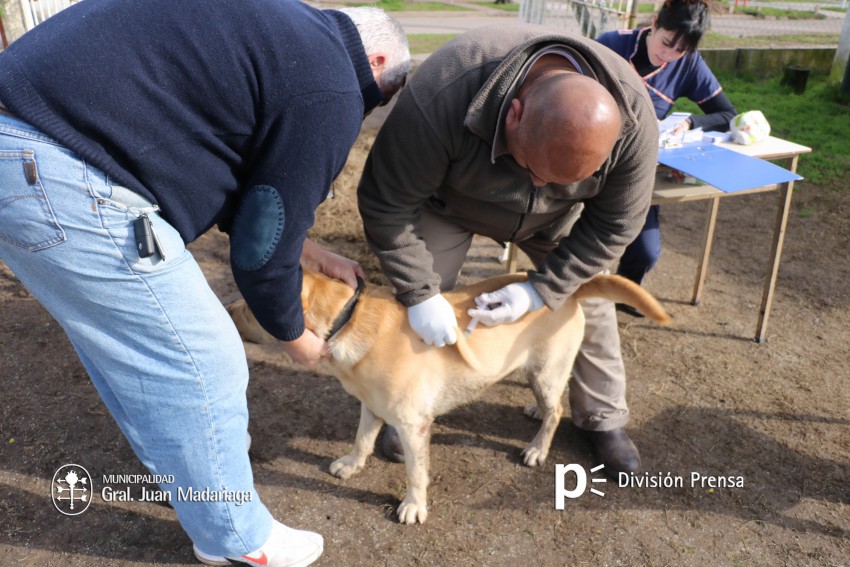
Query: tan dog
point(401, 381)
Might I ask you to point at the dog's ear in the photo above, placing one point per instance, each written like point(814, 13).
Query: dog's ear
point(309, 293)
point(307, 284)
point(315, 293)
point(247, 325)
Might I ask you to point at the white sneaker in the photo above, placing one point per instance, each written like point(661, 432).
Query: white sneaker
point(285, 548)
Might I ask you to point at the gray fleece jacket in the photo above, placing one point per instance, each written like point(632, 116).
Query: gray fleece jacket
point(442, 147)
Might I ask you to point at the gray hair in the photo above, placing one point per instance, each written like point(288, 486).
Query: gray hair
point(382, 33)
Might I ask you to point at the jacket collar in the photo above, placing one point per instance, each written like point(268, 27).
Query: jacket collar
point(486, 113)
point(350, 38)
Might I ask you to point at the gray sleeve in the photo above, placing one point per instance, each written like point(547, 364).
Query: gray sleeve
point(406, 165)
point(609, 221)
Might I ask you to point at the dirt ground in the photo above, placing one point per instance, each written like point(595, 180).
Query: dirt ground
point(705, 399)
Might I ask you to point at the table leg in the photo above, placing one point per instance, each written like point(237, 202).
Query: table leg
point(509, 256)
point(786, 191)
point(706, 250)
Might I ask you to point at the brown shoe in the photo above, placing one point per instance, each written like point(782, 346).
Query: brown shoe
point(391, 445)
point(615, 450)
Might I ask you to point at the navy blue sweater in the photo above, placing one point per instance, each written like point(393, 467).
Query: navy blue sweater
point(193, 103)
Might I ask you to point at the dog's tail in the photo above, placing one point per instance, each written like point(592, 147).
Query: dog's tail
point(466, 352)
point(622, 290)
point(247, 325)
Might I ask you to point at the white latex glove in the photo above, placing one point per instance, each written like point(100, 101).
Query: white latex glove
point(506, 305)
point(434, 320)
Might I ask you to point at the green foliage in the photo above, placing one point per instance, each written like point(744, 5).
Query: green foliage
point(814, 119)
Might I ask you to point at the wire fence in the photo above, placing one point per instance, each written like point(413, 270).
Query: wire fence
point(808, 21)
point(589, 17)
point(36, 11)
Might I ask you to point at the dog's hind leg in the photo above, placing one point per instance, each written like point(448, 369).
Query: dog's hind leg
point(416, 440)
point(364, 445)
point(548, 384)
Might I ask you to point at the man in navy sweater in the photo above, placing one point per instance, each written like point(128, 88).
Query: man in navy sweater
point(128, 129)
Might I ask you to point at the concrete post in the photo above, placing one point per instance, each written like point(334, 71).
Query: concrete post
point(633, 15)
point(838, 73)
point(13, 19)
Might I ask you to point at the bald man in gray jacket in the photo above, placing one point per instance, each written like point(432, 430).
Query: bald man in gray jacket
point(529, 136)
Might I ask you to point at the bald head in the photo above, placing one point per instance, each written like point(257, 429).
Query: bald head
point(567, 126)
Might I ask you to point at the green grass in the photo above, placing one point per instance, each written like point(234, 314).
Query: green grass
point(712, 39)
point(506, 7)
point(423, 43)
point(812, 119)
point(765, 11)
point(819, 2)
point(402, 6)
point(428, 43)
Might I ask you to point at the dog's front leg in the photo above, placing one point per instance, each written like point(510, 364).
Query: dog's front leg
point(364, 444)
point(416, 440)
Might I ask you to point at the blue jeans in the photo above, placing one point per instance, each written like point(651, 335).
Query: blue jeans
point(156, 341)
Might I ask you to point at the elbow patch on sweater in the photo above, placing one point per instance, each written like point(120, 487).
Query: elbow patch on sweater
point(257, 228)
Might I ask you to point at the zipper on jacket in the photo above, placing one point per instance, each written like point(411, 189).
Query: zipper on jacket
point(527, 211)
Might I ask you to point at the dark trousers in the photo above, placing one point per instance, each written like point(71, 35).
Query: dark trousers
point(642, 254)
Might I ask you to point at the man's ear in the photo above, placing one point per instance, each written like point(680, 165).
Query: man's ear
point(514, 115)
point(377, 60)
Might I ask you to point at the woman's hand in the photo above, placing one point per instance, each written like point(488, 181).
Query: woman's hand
point(316, 258)
point(682, 127)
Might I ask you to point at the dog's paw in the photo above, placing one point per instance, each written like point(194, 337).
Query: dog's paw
point(533, 457)
point(409, 512)
point(533, 411)
point(346, 467)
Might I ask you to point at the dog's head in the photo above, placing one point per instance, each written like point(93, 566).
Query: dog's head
point(322, 299)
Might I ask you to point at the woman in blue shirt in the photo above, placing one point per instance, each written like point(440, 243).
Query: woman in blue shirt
point(664, 55)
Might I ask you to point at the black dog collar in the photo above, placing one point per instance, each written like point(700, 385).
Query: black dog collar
point(347, 310)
